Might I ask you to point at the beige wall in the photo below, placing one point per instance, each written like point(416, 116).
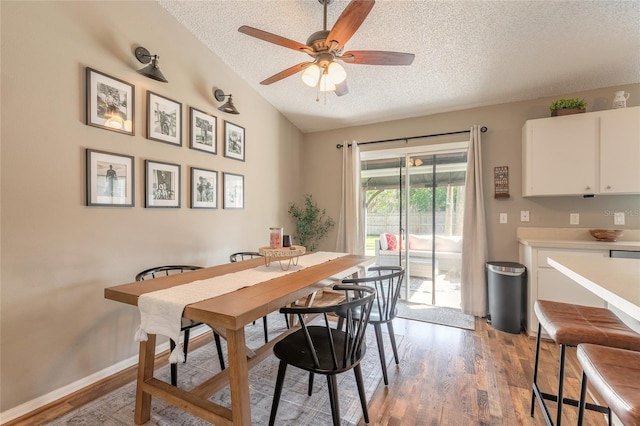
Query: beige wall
point(57, 254)
point(501, 146)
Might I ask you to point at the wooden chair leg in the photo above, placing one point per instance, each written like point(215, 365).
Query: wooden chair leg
point(216, 338)
point(277, 392)
point(333, 399)
point(363, 396)
point(383, 361)
point(392, 337)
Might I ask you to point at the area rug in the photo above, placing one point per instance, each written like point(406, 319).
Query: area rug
point(295, 408)
point(435, 314)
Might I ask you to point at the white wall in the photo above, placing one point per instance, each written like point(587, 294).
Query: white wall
point(57, 254)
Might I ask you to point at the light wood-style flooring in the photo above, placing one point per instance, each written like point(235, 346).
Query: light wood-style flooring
point(448, 376)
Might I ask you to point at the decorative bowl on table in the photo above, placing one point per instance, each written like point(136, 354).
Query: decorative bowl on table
point(606, 234)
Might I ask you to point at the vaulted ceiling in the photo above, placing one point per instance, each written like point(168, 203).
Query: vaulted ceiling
point(467, 53)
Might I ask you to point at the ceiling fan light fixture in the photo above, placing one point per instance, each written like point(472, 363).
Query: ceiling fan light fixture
point(311, 75)
point(336, 72)
point(326, 85)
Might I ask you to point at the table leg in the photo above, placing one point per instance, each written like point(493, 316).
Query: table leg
point(239, 378)
point(145, 372)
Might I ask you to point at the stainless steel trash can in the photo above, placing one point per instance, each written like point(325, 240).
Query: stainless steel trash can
point(507, 283)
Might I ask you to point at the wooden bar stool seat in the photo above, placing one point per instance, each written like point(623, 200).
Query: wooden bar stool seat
point(571, 325)
point(615, 374)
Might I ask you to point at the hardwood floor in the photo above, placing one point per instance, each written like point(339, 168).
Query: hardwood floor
point(451, 376)
point(448, 376)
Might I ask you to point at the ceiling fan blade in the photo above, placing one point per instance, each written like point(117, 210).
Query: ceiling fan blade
point(275, 39)
point(376, 57)
point(349, 21)
point(342, 88)
point(286, 73)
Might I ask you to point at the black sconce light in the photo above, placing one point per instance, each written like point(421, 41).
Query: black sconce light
point(151, 70)
point(228, 107)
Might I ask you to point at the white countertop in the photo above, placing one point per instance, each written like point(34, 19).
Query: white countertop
point(615, 280)
point(579, 244)
point(576, 238)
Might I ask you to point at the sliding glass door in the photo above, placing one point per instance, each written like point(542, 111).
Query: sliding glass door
point(434, 227)
point(414, 206)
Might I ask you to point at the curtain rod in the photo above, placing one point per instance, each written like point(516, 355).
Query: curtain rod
point(483, 129)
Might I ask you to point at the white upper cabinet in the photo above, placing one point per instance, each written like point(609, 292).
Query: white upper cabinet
point(582, 154)
point(620, 151)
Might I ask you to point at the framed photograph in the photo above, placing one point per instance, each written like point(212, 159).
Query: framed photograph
point(109, 179)
point(204, 189)
point(233, 188)
point(164, 119)
point(203, 131)
point(162, 184)
point(110, 102)
point(233, 141)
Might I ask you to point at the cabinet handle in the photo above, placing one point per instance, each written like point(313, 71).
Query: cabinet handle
point(588, 188)
point(608, 187)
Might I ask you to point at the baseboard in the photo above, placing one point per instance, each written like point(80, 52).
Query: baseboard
point(66, 391)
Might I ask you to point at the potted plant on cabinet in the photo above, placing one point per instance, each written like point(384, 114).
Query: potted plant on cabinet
point(312, 224)
point(567, 106)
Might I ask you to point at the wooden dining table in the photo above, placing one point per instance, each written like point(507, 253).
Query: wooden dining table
point(227, 314)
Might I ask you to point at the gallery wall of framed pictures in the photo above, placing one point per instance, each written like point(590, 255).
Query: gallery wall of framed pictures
point(110, 177)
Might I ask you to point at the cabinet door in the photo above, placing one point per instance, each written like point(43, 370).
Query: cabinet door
point(620, 151)
point(560, 155)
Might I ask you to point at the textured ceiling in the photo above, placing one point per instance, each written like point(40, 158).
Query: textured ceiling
point(468, 53)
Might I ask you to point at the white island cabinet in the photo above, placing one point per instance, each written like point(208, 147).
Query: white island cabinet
point(545, 282)
point(582, 154)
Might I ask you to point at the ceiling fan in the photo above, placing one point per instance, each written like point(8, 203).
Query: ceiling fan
point(326, 46)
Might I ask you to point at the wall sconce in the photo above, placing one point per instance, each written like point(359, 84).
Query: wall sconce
point(151, 70)
point(228, 106)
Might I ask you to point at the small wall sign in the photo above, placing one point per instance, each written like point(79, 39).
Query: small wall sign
point(501, 181)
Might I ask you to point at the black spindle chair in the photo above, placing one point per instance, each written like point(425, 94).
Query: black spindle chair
point(320, 347)
point(387, 281)
point(187, 324)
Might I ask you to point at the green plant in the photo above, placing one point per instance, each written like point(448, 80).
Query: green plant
point(312, 223)
point(573, 103)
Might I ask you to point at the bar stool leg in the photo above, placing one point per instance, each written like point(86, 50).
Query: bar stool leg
point(583, 398)
point(535, 371)
point(563, 351)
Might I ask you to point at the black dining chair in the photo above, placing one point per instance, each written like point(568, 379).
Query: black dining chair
point(187, 324)
point(387, 281)
point(246, 255)
point(321, 347)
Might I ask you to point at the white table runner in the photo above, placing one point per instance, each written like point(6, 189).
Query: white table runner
point(161, 311)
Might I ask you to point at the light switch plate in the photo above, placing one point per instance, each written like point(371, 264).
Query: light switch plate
point(574, 219)
point(524, 216)
point(503, 218)
point(618, 218)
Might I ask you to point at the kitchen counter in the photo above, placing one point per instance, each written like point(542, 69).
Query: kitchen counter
point(544, 281)
point(576, 238)
point(617, 281)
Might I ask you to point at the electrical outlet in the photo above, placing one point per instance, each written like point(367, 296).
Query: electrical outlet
point(503, 218)
point(574, 219)
point(524, 216)
point(618, 218)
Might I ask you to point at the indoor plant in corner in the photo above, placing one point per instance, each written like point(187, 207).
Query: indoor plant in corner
point(567, 107)
point(312, 223)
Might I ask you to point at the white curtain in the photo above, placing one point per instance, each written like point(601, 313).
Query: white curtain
point(474, 234)
point(350, 224)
